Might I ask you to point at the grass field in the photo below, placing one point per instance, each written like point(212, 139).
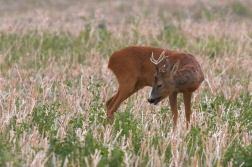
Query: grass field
point(54, 83)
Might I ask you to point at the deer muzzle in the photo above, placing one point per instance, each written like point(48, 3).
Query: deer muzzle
point(154, 101)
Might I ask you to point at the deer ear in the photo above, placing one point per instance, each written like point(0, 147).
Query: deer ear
point(174, 67)
point(167, 66)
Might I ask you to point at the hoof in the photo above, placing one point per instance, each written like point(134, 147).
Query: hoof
point(111, 117)
point(110, 120)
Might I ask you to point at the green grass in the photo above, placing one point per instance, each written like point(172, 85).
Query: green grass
point(72, 148)
point(238, 154)
point(54, 85)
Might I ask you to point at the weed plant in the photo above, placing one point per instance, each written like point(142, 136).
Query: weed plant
point(54, 83)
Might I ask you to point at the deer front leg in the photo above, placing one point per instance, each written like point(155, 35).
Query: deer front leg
point(187, 101)
point(174, 107)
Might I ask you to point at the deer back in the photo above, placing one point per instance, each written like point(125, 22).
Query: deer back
point(133, 63)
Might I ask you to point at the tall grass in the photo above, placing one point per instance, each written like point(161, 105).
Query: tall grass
point(54, 83)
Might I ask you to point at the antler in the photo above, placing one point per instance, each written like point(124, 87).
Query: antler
point(161, 57)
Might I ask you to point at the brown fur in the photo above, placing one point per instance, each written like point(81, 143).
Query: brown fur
point(134, 70)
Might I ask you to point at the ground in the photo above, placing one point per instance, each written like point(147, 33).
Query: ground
point(54, 83)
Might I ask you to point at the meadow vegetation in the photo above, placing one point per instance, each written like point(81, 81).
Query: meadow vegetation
point(54, 83)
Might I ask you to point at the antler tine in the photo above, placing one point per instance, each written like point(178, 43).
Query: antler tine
point(153, 60)
point(161, 57)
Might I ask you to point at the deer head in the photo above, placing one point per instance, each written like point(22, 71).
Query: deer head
point(163, 84)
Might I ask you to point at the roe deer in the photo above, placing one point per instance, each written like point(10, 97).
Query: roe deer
point(134, 69)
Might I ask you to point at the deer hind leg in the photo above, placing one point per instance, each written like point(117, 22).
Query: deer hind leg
point(124, 91)
point(174, 107)
point(109, 102)
point(187, 101)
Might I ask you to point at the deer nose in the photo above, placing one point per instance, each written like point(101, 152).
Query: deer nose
point(150, 100)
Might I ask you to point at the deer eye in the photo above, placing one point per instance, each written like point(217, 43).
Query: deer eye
point(159, 86)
